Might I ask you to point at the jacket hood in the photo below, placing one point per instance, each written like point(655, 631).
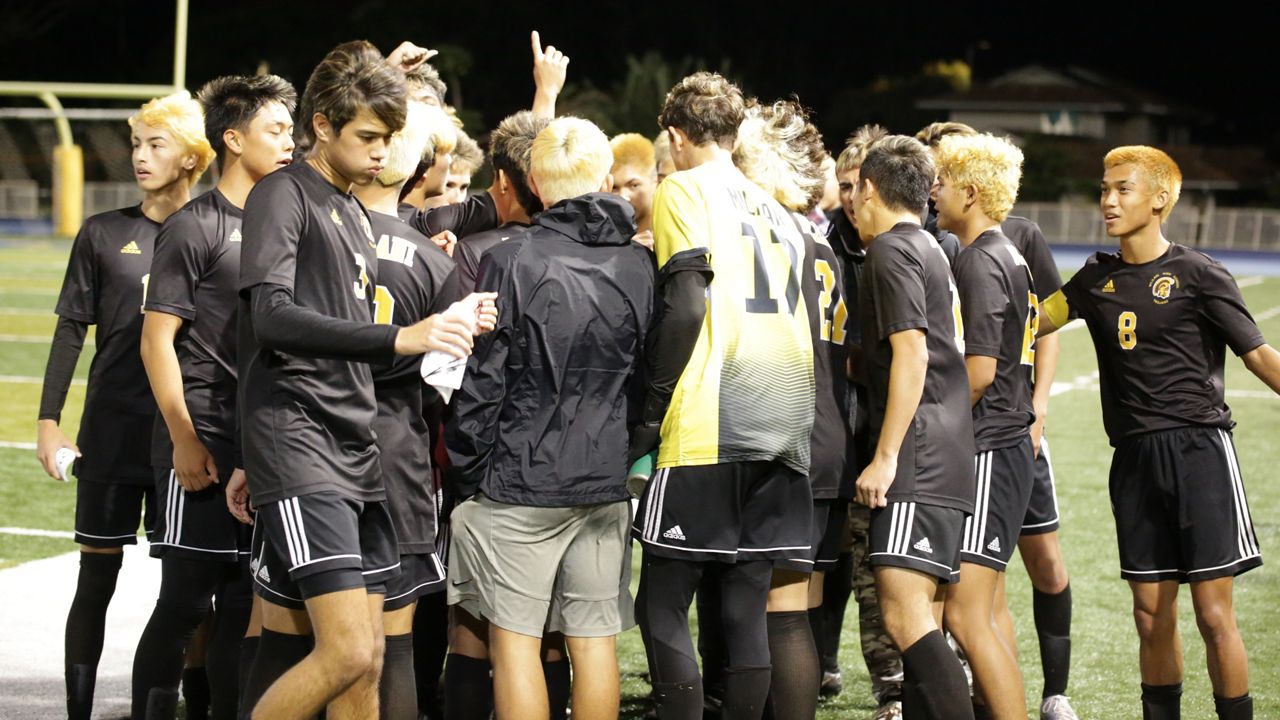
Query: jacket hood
point(596, 218)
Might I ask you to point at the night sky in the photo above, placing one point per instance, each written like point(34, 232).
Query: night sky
point(1218, 61)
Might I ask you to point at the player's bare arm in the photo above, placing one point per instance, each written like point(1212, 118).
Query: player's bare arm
point(550, 68)
point(1046, 367)
point(192, 462)
point(982, 372)
point(1264, 361)
point(407, 56)
point(452, 331)
point(906, 385)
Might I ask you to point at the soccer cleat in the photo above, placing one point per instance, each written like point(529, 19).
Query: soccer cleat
point(832, 684)
point(1057, 707)
point(889, 711)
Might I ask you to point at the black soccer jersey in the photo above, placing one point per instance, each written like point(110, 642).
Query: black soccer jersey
point(1160, 330)
point(475, 214)
point(416, 279)
point(471, 248)
point(1029, 241)
point(907, 285)
point(307, 420)
point(832, 436)
point(999, 306)
point(194, 276)
point(105, 285)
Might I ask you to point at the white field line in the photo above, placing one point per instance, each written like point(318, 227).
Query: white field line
point(1082, 382)
point(38, 533)
point(24, 311)
point(1250, 281)
point(53, 292)
point(31, 380)
point(1267, 314)
point(12, 445)
point(35, 339)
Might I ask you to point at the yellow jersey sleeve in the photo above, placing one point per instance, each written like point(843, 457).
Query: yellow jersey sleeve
point(1056, 309)
point(680, 219)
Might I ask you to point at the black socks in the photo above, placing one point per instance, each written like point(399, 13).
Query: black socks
point(1239, 708)
point(398, 695)
point(796, 674)
point(934, 685)
point(1161, 702)
point(86, 625)
point(1053, 627)
point(195, 693)
point(468, 688)
point(277, 652)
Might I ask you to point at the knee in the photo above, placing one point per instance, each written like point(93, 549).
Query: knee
point(1215, 621)
point(1048, 573)
point(1152, 621)
point(351, 659)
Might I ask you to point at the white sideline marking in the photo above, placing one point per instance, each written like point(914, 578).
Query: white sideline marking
point(23, 311)
point(17, 445)
point(31, 380)
point(1267, 314)
point(1250, 281)
point(1082, 382)
point(63, 534)
point(35, 339)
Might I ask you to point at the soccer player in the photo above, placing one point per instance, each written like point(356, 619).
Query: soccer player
point(105, 285)
point(425, 86)
point(415, 280)
point(919, 481)
point(634, 177)
point(467, 158)
point(1162, 316)
point(324, 546)
point(510, 147)
point(189, 350)
point(540, 430)
point(428, 178)
point(782, 152)
point(978, 178)
point(853, 572)
point(730, 395)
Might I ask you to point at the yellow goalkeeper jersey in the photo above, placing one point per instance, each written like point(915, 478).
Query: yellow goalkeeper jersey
point(747, 392)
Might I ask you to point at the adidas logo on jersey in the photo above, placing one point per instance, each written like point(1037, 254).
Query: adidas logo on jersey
point(131, 249)
point(235, 236)
point(674, 533)
point(333, 215)
point(994, 545)
point(924, 546)
point(1110, 287)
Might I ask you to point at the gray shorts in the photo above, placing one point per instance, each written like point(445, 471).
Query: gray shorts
point(532, 570)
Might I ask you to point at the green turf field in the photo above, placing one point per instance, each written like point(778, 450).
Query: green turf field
point(1104, 681)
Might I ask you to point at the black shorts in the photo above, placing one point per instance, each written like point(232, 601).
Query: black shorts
point(1042, 510)
point(420, 574)
point(729, 512)
point(321, 543)
point(197, 525)
point(1004, 479)
point(1180, 508)
point(920, 537)
point(830, 528)
point(107, 514)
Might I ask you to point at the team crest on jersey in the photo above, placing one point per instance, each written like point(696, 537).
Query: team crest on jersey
point(335, 217)
point(1162, 286)
point(235, 236)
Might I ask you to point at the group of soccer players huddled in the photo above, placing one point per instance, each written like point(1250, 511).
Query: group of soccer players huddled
point(379, 430)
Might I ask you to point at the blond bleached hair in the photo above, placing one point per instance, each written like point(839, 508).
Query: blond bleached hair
point(1160, 171)
point(633, 150)
point(856, 147)
point(781, 151)
point(407, 146)
point(570, 157)
point(661, 149)
point(989, 164)
point(181, 115)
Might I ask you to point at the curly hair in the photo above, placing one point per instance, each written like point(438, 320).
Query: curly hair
point(930, 135)
point(781, 151)
point(988, 163)
point(1161, 172)
point(706, 107)
point(182, 117)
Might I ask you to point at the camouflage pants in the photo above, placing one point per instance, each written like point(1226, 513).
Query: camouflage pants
point(884, 663)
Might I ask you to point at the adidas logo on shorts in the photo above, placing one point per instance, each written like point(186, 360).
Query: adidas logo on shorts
point(924, 546)
point(994, 545)
point(674, 533)
point(262, 574)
